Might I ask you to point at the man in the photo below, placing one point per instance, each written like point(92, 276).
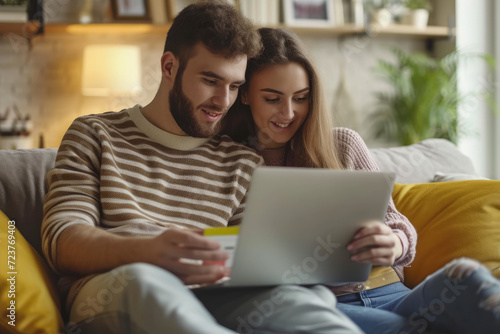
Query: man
point(131, 190)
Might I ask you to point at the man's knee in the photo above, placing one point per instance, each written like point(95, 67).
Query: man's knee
point(123, 288)
point(142, 277)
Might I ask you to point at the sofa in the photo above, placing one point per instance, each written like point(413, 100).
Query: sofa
point(456, 213)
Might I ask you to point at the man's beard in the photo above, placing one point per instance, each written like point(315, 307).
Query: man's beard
point(183, 112)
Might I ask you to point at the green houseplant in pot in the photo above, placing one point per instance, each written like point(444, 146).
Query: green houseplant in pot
point(424, 100)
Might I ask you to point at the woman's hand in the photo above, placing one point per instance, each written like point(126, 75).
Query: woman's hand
point(375, 243)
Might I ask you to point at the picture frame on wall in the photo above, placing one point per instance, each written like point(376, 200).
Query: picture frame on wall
point(309, 13)
point(131, 10)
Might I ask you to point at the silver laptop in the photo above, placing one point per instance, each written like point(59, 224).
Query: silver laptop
point(298, 222)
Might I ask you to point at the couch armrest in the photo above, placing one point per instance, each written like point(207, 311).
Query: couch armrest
point(23, 188)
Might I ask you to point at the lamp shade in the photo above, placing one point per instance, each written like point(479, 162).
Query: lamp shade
point(111, 70)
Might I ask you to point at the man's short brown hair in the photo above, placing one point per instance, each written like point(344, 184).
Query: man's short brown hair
point(216, 24)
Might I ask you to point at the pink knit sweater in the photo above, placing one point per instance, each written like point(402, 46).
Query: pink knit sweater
point(354, 155)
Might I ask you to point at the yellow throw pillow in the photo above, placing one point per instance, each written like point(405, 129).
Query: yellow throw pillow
point(28, 293)
point(453, 219)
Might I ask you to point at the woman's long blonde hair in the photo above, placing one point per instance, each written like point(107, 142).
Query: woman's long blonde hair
point(313, 144)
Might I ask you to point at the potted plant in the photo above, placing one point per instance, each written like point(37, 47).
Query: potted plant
point(417, 13)
point(424, 100)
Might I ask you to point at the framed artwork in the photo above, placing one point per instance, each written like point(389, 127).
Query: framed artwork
point(131, 10)
point(309, 13)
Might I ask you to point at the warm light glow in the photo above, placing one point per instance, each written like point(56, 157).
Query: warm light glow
point(108, 28)
point(111, 70)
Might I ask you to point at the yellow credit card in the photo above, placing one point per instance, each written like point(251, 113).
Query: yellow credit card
point(227, 237)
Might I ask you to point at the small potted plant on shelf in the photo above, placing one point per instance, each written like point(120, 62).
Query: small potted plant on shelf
point(417, 13)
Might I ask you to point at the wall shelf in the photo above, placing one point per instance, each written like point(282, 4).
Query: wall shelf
point(106, 28)
point(411, 31)
point(395, 30)
point(97, 28)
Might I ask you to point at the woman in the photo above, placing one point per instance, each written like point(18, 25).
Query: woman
point(282, 115)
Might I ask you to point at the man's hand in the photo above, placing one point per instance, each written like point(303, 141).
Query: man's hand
point(85, 250)
point(375, 243)
point(168, 248)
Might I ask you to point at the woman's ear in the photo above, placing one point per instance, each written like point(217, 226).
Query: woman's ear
point(169, 65)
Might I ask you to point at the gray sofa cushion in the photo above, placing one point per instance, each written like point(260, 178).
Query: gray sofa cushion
point(418, 163)
point(22, 189)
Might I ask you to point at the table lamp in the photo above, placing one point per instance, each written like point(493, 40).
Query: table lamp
point(111, 70)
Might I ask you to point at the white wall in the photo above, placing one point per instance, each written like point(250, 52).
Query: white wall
point(475, 34)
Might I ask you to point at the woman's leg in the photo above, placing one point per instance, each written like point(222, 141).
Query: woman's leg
point(374, 321)
point(371, 309)
point(462, 297)
point(283, 309)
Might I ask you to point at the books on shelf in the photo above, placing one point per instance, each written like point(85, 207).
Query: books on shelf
point(347, 11)
point(261, 12)
point(358, 13)
point(353, 12)
point(175, 6)
point(338, 9)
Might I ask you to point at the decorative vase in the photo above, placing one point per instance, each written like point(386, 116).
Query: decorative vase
point(418, 18)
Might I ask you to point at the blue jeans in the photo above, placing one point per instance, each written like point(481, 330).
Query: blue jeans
point(469, 304)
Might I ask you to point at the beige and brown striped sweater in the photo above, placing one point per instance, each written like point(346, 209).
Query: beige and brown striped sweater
point(119, 172)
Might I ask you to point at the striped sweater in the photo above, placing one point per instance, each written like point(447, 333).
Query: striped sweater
point(119, 172)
